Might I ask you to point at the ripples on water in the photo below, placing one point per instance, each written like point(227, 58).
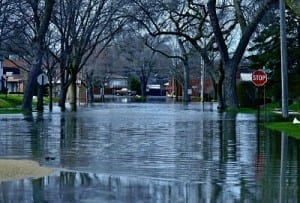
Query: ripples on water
point(150, 152)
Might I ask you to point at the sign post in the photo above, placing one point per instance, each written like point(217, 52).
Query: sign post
point(42, 80)
point(259, 79)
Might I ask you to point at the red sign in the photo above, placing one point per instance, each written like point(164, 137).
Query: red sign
point(259, 78)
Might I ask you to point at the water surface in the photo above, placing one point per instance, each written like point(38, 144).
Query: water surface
point(150, 152)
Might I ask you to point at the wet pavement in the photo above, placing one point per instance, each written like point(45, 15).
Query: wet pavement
point(150, 152)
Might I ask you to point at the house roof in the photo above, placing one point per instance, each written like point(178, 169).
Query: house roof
point(115, 76)
point(10, 64)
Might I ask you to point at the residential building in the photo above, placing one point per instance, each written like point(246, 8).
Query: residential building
point(13, 76)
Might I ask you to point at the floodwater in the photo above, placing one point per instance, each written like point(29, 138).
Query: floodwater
point(150, 152)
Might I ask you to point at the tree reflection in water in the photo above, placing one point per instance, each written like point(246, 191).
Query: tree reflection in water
point(143, 152)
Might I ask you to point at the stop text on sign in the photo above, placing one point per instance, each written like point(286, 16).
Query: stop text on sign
point(259, 78)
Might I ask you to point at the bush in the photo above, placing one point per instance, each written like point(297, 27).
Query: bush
point(246, 94)
point(135, 85)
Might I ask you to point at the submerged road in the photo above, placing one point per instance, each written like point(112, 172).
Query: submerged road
point(149, 152)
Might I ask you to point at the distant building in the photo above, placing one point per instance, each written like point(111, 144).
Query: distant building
point(173, 88)
point(115, 82)
point(13, 76)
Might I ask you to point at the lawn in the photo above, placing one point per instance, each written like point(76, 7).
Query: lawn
point(288, 127)
point(10, 103)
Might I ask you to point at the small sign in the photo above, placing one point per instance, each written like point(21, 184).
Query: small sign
point(259, 78)
point(42, 79)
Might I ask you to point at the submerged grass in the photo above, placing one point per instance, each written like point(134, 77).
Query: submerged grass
point(287, 127)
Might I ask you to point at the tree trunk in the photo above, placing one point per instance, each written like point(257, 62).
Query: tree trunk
point(144, 82)
point(63, 87)
point(143, 88)
point(220, 96)
point(220, 90)
point(38, 44)
point(62, 98)
point(231, 64)
point(73, 94)
point(230, 93)
point(90, 87)
point(29, 90)
point(186, 73)
point(50, 93)
point(90, 93)
point(40, 97)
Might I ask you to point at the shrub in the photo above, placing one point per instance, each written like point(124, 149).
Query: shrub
point(246, 94)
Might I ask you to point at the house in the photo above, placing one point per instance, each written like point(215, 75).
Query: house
point(12, 76)
point(155, 86)
point(115, 82)
point(173, 88)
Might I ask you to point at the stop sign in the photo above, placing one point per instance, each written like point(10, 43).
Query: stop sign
point(259, 78)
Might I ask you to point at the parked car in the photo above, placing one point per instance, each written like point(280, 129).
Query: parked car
point(125, 92)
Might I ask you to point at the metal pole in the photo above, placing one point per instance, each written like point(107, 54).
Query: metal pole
point(284, 77)
point(202, 81)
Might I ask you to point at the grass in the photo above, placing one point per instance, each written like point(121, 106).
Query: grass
point(10, 101)
point(287, 127)
point(10, 104)
point(280, 126)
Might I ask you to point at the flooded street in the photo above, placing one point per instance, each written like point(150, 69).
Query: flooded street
point(150, 152)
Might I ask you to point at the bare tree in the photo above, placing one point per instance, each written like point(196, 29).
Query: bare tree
point(232, 60)
point(216, 24)
point(98, 70)
point(82, 26)
point(180, 56)
point(7, 22)
point(141, 60)
point(41, 12)
point(13, 27)
point(187, 20)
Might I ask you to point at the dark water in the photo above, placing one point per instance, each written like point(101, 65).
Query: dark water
point(150, 152)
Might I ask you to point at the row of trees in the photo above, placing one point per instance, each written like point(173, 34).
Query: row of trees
point(60, 34)
point(69, 33)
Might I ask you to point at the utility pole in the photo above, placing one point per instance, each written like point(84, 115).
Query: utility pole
point(284, 76)
point(202, 80)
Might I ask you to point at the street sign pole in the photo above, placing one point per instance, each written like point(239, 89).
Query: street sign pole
point(42, 80)
point(259, 79)
point(258, 103)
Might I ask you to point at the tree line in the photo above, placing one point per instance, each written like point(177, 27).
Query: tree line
point(63, 37)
